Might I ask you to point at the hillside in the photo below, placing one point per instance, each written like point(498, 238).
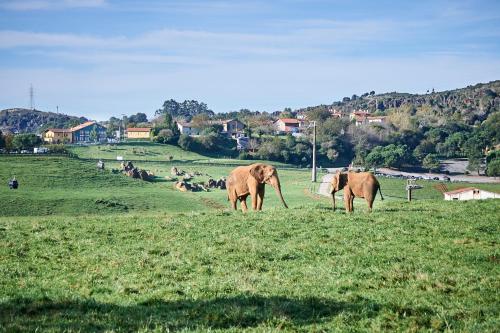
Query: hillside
point(469, 104)
point(18, 120)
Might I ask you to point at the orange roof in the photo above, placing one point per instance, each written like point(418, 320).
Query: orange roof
point(289, 120)
point(59, 130)
point(138, 129)
point(460, 190)
point(85, 124)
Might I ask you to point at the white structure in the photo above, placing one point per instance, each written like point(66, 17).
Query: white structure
point(187, 128)
point(470, 193)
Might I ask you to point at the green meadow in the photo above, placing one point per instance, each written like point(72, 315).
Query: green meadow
point(84, 250)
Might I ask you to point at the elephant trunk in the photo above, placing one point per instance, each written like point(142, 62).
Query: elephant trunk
point(275, 182)
point(333, 199)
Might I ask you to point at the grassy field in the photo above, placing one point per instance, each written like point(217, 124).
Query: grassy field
point(149, 151)
point(84, 250)
point(423, 266)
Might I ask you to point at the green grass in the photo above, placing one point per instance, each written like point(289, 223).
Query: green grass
point(424, 266)
point(149, 151)
point(83, 250)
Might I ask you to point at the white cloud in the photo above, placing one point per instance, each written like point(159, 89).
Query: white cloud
point(29, 5)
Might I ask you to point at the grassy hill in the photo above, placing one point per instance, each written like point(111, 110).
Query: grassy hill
point(69, 186)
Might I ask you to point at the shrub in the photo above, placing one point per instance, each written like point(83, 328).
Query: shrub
point(493, 168)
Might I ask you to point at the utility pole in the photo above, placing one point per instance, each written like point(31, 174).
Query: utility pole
point(31, 97)
point(313, 176)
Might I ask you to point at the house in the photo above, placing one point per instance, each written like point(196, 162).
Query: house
point(84, 132)
point(360, 114)
point(470, 193)
point(232, 127)
point(138, 133)
point(187, 128)
point(287, 125)
point(78, 134)
point(57, 135)
point(337, 113)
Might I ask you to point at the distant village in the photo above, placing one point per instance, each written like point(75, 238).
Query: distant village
point(92, 131)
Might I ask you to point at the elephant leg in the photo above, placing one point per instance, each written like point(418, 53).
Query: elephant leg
point(369, 201)
point(260, 198)
point(244, 207)
point(253, 196)
point(347, 200)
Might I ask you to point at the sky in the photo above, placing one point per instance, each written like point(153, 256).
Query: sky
point(103, 58)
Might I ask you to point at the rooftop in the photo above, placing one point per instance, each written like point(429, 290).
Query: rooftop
point(138, 129)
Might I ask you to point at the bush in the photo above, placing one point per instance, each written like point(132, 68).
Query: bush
point(185, 142)
point(243, 155)
point(493, 168)
point(57, 148)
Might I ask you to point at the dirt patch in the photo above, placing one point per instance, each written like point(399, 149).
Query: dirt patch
point(212, 203)
point(312, 195)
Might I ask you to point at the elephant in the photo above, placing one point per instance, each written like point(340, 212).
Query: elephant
point(355, 184)
point(251, 180)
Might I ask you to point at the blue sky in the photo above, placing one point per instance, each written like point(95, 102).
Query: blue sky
point(99, 58)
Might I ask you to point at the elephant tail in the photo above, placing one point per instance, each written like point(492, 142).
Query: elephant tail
point(380, 191)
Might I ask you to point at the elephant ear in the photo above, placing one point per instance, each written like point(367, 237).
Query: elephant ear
point(258, 172)
point(342, 180)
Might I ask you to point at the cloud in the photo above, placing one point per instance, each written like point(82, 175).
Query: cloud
point(31, 5)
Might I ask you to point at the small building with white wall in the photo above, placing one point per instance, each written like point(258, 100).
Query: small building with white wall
point(470, 193)
point(187, 128)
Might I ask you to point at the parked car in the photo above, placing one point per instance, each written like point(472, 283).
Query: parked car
point(435, 178)
point(446, 178)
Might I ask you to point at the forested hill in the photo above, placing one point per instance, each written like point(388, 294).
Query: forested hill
point(20, 120)
point(470, 105)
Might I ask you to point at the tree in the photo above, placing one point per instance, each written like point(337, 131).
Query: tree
point(473, 149)
point(93, 135)
point(138, 118)
point(25, 141)
point(493, 169)
point(431, 162)
point(2, 141)
point(186, 109)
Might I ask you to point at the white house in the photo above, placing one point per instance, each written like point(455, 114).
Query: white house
point(187, 128)
point(470, 193)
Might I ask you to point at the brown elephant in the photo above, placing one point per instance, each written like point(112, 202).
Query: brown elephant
point(355, 184)
point(250, 180)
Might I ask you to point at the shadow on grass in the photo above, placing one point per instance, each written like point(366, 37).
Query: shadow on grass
point(219, 313)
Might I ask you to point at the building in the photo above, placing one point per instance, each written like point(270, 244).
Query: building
point(187, 128)
point(57, 135)
point(138, 133)
point(84, 132)
point(364, 117)
point(360, 114)
point(233, 128)
point(470, 193)
point(376, 119)
point(287, 125)
point(79, 134)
